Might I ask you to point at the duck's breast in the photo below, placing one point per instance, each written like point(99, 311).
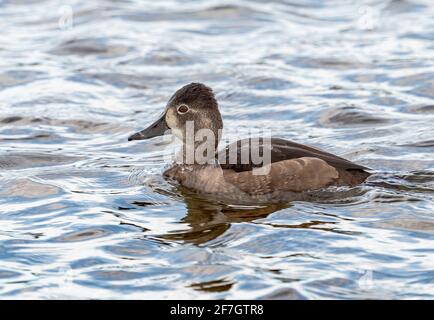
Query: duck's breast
point(204, 179)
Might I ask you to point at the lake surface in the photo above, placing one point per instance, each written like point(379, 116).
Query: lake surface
point(86, 214)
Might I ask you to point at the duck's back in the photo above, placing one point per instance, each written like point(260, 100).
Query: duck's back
point(281, 150)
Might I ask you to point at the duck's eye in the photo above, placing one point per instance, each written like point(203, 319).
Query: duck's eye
point(182, 108)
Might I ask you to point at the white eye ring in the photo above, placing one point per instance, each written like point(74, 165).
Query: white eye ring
point(183, 108)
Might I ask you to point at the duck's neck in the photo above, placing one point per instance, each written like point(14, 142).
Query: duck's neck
point(198, 152)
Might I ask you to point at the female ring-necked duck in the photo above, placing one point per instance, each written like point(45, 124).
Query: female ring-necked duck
point(293, 168)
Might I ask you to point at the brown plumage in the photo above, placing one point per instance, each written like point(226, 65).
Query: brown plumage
point(293, 168)
point(283, 151)
point(294, 175)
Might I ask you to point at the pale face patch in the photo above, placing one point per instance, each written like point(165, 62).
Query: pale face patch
point(171, 120)
point(173, 123)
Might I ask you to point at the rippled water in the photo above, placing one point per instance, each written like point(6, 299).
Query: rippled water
point(85, 214)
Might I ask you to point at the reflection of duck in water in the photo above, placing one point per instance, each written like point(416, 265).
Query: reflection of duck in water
point(208, 219)
point(292, 168)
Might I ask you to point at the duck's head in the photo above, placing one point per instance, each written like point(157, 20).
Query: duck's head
point(192, 106)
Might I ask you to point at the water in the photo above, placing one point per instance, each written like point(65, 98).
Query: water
point(85, 214)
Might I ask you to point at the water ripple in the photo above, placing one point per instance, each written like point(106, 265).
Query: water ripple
point(84, 214)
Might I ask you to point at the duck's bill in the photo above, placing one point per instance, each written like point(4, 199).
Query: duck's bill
point(158, 128)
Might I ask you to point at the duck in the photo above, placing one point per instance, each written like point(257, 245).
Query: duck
point(291, 169)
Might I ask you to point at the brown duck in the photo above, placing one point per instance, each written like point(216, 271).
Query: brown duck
point(293, 168)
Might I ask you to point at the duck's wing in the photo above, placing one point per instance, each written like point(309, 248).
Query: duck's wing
point(234, 155)
point(294, 175)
